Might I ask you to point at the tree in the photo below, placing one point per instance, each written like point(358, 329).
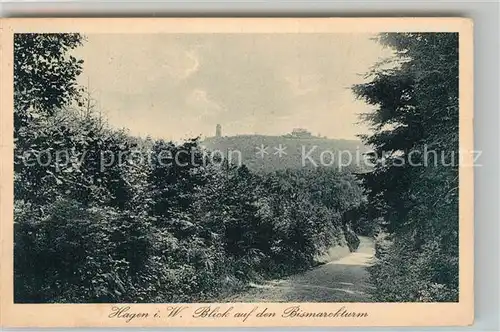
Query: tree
point(44, 82)
point(415, 138)
point(44, 74)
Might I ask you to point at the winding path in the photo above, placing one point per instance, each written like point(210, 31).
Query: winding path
point(342, 280)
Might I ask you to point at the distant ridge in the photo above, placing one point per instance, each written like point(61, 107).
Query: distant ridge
point(297, 152)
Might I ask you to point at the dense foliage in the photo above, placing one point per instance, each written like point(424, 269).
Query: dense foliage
point(101, 216)
point(413, 190)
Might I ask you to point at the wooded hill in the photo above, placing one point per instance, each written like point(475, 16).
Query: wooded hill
point(298, 152)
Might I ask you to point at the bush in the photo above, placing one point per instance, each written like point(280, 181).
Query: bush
point(63, 253)
point(402, 273)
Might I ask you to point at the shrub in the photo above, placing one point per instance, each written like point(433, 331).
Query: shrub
point(403, 273)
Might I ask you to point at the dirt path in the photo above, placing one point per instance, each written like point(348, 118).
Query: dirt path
point(342, 280)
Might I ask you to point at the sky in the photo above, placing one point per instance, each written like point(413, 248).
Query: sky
point(176, 86)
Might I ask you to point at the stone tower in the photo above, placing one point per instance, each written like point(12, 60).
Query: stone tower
point(218, 130)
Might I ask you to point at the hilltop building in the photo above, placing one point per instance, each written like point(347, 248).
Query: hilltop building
point(218, 131)
point(301, 133)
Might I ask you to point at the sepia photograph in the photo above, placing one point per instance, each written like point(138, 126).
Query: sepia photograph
point(226, 167)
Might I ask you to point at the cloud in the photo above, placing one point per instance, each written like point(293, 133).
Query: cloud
point(201, 105)
point(181, 66)
point(194, 67)
point(304, 84)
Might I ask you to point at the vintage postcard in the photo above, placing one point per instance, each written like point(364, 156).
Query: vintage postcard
point(236, 172)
